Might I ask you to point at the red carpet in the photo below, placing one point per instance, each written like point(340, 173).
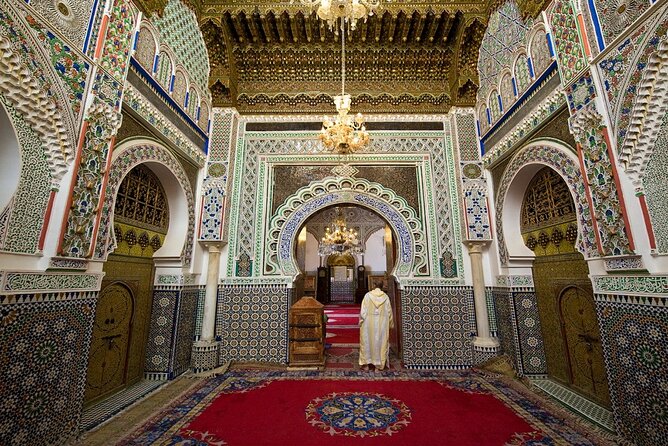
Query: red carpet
point(427, 413)
point(343, 324)
point(348, 407)
point(343, 335)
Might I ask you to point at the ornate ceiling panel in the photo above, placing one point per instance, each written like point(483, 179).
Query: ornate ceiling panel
point(278, 57)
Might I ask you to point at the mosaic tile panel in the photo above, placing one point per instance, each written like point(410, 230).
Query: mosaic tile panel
point(221, 131)
point(159, 349)
point(44, 345)
point(179, 29)
point(24, 218)
point(654, 185)
point(478, 226)
point(569, 50)
point(117, 44)
point(437, 327)
point(252, 323)
point(466, 137)
point(530, 338)
point(199, 312)
point(505, 32)
point(581, 92)
point(491, 312)
point(616, 15)
point(211, 223)
point(165, 69)
point(185, 329)
point(633, 338)
point(506, 323)
point(569, 170)
point(96, 22)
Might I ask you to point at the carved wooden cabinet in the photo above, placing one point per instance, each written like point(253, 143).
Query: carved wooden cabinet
point(307, 331)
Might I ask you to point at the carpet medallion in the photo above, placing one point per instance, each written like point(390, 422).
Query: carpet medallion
point(358, 414)
point(349, 407)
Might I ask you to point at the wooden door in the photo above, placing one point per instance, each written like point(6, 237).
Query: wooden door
point(582, 340)
point(110, 343)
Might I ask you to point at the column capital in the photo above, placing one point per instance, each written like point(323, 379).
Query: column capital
point(476, 246)
point(214, 246)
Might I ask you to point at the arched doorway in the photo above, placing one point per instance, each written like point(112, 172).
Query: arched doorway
point(120, 332)
point(564, 294)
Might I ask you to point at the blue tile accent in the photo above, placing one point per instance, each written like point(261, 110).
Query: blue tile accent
point(530, 64)
point(498, 97)
point(549, 43)
point(514, 86)
point(89, 30)
point(597, 24)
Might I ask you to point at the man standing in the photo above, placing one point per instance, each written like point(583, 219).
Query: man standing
point(375, 323)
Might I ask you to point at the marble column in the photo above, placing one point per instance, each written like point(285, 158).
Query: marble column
point(205, 351)
point(484, 338)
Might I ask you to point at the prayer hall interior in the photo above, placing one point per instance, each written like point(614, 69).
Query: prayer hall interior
point(192, 211)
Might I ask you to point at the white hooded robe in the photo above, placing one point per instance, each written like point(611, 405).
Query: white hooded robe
point(375, 323)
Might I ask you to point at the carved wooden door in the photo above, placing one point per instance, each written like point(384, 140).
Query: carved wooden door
point(110, 342)
point(579, 326)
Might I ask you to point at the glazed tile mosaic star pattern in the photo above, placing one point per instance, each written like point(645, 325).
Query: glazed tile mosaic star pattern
point(161, 334)
point(633, 337)
point(617, 15)
point(43, 360)
point(654, 186)
point(252, 322)
point(437, 327)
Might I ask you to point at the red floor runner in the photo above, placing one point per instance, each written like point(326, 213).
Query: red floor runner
point(295, 412)
point(343, 335)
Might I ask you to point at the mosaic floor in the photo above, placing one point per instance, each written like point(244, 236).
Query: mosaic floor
point(98, 413)
point(576, 403)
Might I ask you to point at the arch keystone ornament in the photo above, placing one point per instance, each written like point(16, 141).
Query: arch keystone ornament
point(290, 216)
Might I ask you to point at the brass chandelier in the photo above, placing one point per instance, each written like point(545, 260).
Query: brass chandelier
point(349, 11)
point(339, 238)
point(345, 134)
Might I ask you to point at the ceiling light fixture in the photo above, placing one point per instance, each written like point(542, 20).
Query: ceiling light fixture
point(339, 238)
point(350, 11)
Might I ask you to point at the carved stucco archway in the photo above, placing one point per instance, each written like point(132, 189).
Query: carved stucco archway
point(517, 176)
point(290, 216)
point(179, 239)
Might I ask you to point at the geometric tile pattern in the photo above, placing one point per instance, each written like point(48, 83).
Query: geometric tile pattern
point(44, 346)
point(505, 32)
point(581, 92)
point(507, 325)
point(576, 403)
point(252, 323)
point(102, 411)
point(634, 345)
point(185, 329)
point(211, 219)
point(179, 29)
point(161, 335)
point(530, 337)
point(437, 325)
point(568, 48)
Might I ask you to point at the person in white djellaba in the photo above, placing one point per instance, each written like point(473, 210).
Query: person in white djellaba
point(375, 323)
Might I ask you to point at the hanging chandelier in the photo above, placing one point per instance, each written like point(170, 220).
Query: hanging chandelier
point(344, 134)
point(350, 11)
point(339, 239)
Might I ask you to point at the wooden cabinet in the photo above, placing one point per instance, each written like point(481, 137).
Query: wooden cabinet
point(307, 331)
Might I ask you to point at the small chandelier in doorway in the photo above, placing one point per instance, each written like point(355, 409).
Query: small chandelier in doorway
point(339, 239)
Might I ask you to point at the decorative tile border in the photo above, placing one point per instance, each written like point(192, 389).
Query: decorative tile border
point(67, 263)
point(636, 285)
point(627, 263)
point(27, 282)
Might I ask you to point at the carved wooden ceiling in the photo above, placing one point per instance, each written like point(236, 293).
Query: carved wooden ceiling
point(279, 57)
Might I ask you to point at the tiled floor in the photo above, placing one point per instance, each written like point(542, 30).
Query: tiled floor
point(102, 411)
point(576, 403)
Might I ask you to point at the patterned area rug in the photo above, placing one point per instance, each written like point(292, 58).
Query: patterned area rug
point(341, 407)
